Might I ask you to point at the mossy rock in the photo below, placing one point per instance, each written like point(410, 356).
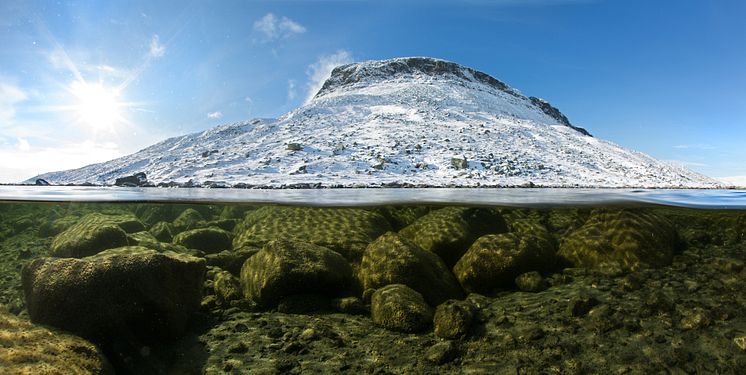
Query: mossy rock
point(163, 231)
point(132, 291)
point(209, 240)
point(141, 238)
point(400, 308)
point(453, 319)
point(93, 233)
point(631, 239)
point(495, 260)
point(391, 259)
point(227, 287)
point(32, 349)
point(400, 217)
point(188, 219)
point(345, 230)
point(448, 232)
point(284, 268)
point(231, 260)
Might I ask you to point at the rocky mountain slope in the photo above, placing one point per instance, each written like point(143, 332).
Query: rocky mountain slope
point(405, 121)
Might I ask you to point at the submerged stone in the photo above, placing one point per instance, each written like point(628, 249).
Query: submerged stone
point(188, 219)
point(391, 259)
point(162, 231)
point(398, 307)
point(632, 239)
point(495, 260)
point(129, 290)
point(285, 268)
point(209, 240)
point(449, 231)
point(91, 234)
point(453, 319)
point(345, 230)
point(32, 349)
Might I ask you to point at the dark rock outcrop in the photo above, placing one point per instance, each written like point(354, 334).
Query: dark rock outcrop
point(115, 294)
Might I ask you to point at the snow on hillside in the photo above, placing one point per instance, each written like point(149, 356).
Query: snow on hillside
point(413, 121)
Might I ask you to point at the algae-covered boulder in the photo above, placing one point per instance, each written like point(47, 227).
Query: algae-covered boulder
point(400, 217)
point(494, 260)
point(449, 231)
point(188, 219)
point(131, 291)
point(162, 231)
point(453, 319)
point(285, 268)
point(231, 260)
point(345, 230)
point(391, 259)
point(31, 349)
point(398, 307)
point(629, 238)
point(93, 233)
point(227, 287)
point(209, 240)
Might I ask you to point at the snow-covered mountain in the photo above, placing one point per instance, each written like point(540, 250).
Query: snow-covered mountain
point(410, 121)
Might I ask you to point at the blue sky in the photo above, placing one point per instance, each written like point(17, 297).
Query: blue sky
point(667, 78)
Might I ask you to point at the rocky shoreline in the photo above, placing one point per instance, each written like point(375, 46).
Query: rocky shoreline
point(242, 289)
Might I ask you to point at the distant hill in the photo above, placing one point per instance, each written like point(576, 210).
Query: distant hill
point(405, 121)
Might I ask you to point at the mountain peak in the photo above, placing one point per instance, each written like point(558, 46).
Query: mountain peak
point(412, 121)
point(377, 71)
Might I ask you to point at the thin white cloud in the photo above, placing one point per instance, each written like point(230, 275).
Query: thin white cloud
point(321, 70)
point(274, 28)
point(215, 115)
point(156, 48)
point(10, 95)
point(292, 93)
point(23, 144)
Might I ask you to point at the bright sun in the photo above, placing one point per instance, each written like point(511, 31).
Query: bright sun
point(97, 106)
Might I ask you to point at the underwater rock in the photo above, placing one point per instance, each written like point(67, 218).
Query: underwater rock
point(141, 239)
point(391, 259)
point(209, 240)
point(442, 352)
point(227, 287)
point(31, 349)
point(162, 231)
point(91, 234)
point(449, 231)
point(285, 268)
point(345, 230)
point(125, 291)
point(530, 282)
point(631, 239)
point(453, 319)
point(188, 219)
point(400, 217)
point(398, 307)
point(494, 261)
point(231, 260)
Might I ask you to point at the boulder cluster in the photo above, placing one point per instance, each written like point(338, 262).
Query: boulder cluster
point(140, 276)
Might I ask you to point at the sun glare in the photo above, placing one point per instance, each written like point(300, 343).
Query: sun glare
point(97, 106)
